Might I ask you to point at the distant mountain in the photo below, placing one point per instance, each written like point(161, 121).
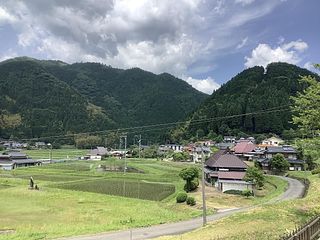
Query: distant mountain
point(47, 98)
point(254, 89)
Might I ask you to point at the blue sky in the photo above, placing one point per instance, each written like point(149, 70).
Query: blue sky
point(204, 42)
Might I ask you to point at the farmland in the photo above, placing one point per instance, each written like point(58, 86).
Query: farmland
point(131, 189)
point(77, 198)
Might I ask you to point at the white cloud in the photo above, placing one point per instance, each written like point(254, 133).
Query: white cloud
point(310, 66)
point(9, 54)
point(158, 36)
point(243, 43)
point(5, 16)
point(264, 54)
point(244, 2)
point(207, 85)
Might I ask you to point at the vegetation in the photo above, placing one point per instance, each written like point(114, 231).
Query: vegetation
point(191, 201)
point(279, 163)
point(49, 98)
point(255, 175)
point(315, 171)
point(253, 90)
point(180, 156)
point(262, 223)
point(181, 197)
point(247, 193)
point(131, 189)
point(306, 106)
point(190, 175)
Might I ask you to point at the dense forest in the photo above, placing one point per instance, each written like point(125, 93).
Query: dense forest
point(253, 90)
point(45, 98)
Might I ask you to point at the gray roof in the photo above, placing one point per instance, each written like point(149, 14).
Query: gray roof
point(24, 161)
point(280, 149)
point(226, 161)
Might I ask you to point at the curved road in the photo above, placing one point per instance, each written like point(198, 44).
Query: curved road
point(295, 190)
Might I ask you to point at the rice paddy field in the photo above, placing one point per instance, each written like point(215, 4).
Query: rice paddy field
point(80, 197)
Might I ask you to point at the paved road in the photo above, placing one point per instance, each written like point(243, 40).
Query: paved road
point(295, 190)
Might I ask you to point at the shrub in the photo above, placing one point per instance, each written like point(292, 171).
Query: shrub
point(181, 197)
point(235, 192)
point(247, 193)
point(191, 201)
point(315, 171)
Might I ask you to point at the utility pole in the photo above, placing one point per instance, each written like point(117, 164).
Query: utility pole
point(125, 152)
point(139, 142)
point(139, 145)
point(204, 207)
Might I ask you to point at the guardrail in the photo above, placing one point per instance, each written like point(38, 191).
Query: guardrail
point(309, 231)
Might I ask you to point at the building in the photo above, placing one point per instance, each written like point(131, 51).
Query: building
point(226, 171)
point(229, 139)
point(12, 160)
point(199, 154)
point(287, 151)
point(170, 147)
point(243, 149)
point(96, 154)
point(273, 141)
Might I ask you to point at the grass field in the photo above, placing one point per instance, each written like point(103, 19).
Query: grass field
point(54, 212)
point(265, 223)
point(56, 153)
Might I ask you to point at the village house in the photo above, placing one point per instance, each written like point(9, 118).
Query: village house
point(15, 159)
point(199, 153)
point(287, 151)
point(96, 154)
point(272, 141)
point(226, 171)
point(229, 139)
point(170, 147)
point(244, 148)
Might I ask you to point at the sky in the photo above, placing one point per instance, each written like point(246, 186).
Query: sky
point(204, 42)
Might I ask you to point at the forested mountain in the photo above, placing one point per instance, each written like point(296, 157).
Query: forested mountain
point(254, 89)
point(45, 98)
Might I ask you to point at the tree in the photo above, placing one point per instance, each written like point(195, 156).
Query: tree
point(307, 106)
point(279, 163)
point(255, 175)
point(190, 175)
point(180, 156)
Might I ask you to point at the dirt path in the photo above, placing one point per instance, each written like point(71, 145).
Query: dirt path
point(295, 190)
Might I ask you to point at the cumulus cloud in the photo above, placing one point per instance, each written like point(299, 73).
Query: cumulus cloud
point(264, 54)
point(159, 36)
point(5, 16)
point(207, 85)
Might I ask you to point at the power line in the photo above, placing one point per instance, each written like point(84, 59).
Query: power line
point(154, 127)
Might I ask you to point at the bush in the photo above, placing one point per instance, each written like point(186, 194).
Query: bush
point(191, 201)
point(315, 171)
point(247, 193)
point(181, 197)
point(235, 192)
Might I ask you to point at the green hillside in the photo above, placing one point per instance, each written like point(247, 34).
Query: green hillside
point(45, 98)
point(254, 89)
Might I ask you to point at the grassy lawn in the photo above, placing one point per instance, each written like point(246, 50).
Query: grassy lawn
point(55, 211)
point(56, 153)
point(267, 222)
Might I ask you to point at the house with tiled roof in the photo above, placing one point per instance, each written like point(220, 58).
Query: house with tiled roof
point(15, 159)
point(289, 153)
point(243, 149)
point(226, 171)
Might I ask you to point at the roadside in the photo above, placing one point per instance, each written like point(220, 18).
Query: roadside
point(295, 190)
